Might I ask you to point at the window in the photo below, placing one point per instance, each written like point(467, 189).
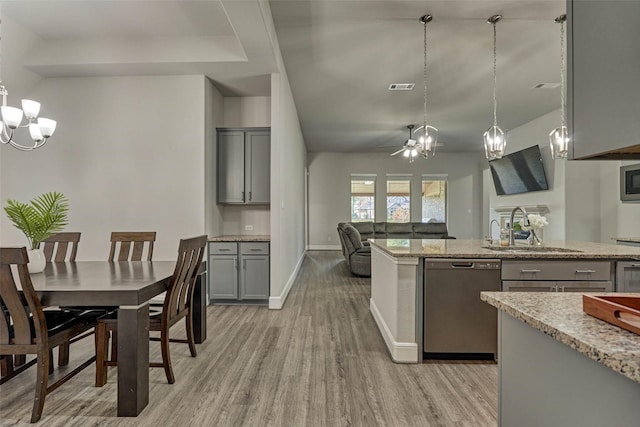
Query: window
point(398, 199)
point(434, 198)
point(363, 197)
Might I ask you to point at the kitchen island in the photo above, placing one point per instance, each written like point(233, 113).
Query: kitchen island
point(559, 366)
point(397, 278)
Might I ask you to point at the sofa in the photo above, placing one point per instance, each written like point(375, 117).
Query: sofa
point(356, 249)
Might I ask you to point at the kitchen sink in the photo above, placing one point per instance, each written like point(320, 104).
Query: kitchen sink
point(516, 249)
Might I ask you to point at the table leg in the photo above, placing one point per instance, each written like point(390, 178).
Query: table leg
point(200, 310)
point(133, 359)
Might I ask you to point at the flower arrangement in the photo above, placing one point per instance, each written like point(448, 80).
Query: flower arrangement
point(536, 221)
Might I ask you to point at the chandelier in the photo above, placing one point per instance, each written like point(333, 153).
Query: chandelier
point(40, 129)
point(559, 137)
point(494, 138)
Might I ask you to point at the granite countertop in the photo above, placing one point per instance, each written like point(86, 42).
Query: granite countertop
point(467, 248)
point(561, 317)
point(238, 238)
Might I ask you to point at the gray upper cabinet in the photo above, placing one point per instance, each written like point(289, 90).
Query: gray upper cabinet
point(244, 165)
point(603, 75)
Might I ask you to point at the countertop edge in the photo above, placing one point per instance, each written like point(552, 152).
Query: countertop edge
point(240, 238)
point(616, 362)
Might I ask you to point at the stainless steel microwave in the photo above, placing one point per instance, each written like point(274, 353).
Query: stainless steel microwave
point(630, 183)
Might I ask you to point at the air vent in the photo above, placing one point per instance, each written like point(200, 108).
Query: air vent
point(546, 86)
point(401, 86)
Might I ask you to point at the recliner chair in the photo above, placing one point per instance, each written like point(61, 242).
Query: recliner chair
point(357, 254)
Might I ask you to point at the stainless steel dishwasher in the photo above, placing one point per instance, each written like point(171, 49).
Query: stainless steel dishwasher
point(457, 324)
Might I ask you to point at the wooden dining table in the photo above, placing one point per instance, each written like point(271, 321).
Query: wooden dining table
point(129, 285)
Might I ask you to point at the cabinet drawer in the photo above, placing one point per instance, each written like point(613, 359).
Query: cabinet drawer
point(528, 286)
point(254, 248)
point(223, 248)
point(556, 270)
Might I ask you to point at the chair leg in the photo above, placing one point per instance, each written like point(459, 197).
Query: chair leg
point(166, 359)
point(20, 359)
point(191, 341)
point(42, 378)
point(114, 346)
point(63, 354)
point(6, 365)
point(102, 349)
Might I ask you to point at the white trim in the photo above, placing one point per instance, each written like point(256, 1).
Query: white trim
point(537, 209)
point(276, 303)
point(324, 248)
point(401, 352)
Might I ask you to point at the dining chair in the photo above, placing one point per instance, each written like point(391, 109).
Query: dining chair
point(131, 245)
point(58, 244)
point(55, 249)
point(177, 305)
point(26, 328)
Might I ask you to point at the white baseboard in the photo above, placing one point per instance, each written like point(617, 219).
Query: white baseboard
point(276, 303)
point(324, 248)
point(401, 352)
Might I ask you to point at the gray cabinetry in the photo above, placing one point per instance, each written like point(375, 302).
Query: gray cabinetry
point(603, 75)
point(244, 166)
point(557, 276)
point(238, 271)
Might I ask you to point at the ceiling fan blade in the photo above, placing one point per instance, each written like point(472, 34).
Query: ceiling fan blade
point(397, 152)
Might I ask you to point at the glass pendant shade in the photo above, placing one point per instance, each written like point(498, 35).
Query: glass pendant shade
point(559, 142)
point(31, 108)
point(428, 141)
point(11, 116)
point(47, 126)
point(495, 142)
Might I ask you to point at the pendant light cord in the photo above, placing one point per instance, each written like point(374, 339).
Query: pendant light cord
point(495, 102)
point(424, 75)
point(562, 75)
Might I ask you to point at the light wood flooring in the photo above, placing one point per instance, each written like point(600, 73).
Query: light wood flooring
point(320, 361)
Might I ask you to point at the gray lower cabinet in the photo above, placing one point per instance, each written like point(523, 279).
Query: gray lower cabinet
point(244, 166)
point(557, 276)
point(238, 271)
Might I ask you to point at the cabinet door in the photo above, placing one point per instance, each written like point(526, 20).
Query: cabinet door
point(223, 277)
point(528, 286)
point(258, 166)
point(603, 76)
point(231, 167)
point(585, 286)
point(254, 277)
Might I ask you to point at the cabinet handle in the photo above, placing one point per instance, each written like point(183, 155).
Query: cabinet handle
point(243, 196)
point(553, 289)
point(224, 250)
point(244, 264)
point(255, 250)
point(235, 263)
point(529, 271)
point(560, 289)
point(635, 265)
point(585, 271)
point(249, 195)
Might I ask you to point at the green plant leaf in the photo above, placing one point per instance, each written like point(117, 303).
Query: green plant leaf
point(45, 216)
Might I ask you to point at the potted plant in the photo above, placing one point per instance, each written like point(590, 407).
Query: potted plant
point(43, 217)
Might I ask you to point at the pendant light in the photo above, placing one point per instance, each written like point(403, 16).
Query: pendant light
point(559, 137)
point(494, 138)
point(429, 134)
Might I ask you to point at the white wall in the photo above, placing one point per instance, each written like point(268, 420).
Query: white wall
point(247, 111)
point(214, 117)
point(129, 154)
point(329, 190)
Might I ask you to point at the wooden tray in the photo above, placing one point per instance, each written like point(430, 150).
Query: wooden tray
point(622, 311)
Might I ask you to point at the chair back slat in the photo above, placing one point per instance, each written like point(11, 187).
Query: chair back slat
point(180, 292)
point(56, 247)
point(16, 316)
point(130, 245)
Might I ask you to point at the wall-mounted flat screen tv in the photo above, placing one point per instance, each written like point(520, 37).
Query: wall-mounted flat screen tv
point(519, 172)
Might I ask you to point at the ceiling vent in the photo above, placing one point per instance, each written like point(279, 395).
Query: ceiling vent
point(546, 86)
point(401, 86)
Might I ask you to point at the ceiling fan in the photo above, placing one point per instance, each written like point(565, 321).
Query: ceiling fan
point(410, 147)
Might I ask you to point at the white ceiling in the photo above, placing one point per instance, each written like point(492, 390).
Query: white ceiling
point(340, 56)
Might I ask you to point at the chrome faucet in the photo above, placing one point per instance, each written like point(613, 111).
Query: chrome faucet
point(491, 230)
point(526, 223)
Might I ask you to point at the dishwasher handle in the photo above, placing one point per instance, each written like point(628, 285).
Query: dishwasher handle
point(462, 264)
